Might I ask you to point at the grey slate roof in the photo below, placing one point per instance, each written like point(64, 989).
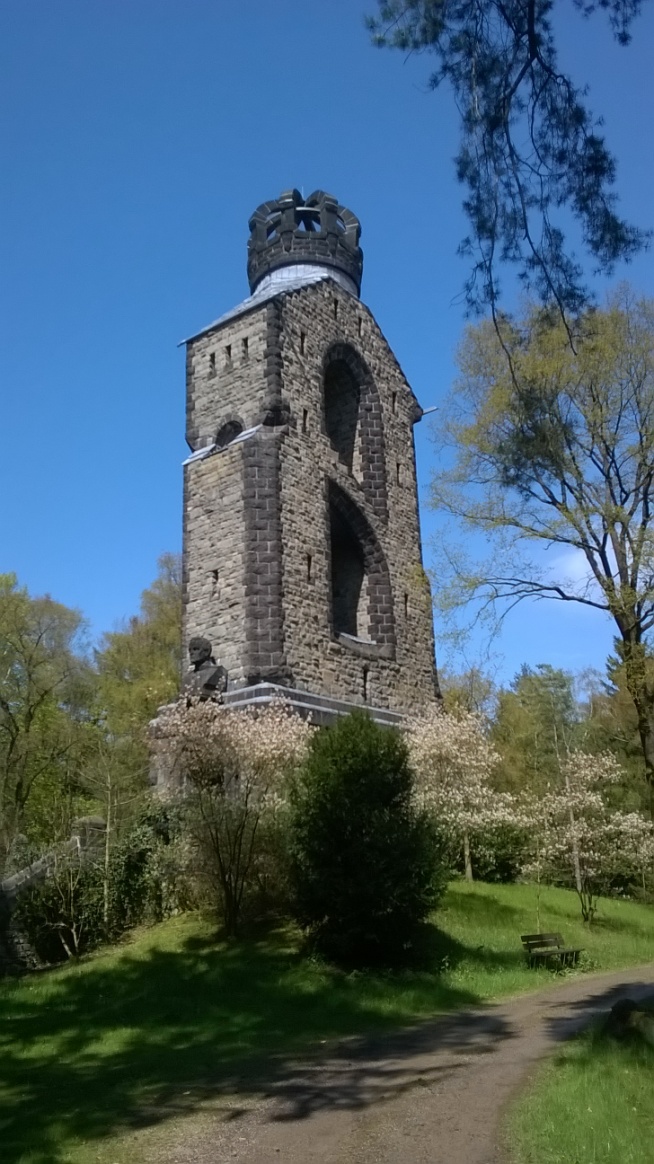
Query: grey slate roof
point(261, 296)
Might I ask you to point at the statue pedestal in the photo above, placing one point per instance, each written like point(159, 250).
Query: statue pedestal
point(165, 775)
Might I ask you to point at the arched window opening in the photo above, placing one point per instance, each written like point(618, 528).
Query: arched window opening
point(228, 432)
point(342, 400)
point(361, 592)
point(349, 582)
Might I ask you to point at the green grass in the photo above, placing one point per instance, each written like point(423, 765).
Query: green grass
point(95, 1057)
point(591, 1104)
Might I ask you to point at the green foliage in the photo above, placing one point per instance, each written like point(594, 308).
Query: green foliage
point(366, 866)
point(89, 901)
point(45, 692)
point(62, 917)
point(139, 667)
point(530, 145)
point(537, 720)
point(500, 854)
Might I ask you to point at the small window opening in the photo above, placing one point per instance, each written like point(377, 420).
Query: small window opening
point(227, 433)
point(359, 324)
point(336, 309)
point(398, 471)
point(305, 420)
point(302, 342)
point(214, 582)
point(309, 565)
point(228, 355)
point(212, 363)
point(366, 685)
point(406, 605)
point(244, 348)
point(394, 402)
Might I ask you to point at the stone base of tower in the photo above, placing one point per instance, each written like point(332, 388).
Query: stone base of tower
point(322, 709)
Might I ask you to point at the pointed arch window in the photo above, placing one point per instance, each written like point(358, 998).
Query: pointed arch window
point(342, 403)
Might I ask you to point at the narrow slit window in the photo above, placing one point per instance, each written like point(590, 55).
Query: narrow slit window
point(303, 340)
point(228, 354)
point(214, 582)
point(398, 472)
point(212, 363)
point(244, 348)
point(406, 605)
point(366, 684)
point(336, 309)
point(305, 420)
point(394, 402)
point(309, 566)
point(359, 324)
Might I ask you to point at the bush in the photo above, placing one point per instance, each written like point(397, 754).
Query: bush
point(82, 905)
point(236, 765)
point(365, 862)
point(499, 854)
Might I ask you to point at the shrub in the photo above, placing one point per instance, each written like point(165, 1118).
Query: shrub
point(236, 765)
point(365, 860)
point(500, 853)
point(83, 903)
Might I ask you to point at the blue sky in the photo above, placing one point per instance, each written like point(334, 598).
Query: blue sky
point(137, 137)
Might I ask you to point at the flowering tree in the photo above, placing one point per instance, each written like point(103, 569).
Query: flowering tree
point(453, 760)
point(629, 839)
point(235, 764)
point(574, 833)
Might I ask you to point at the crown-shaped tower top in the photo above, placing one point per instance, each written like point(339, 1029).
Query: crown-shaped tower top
point(316, 232)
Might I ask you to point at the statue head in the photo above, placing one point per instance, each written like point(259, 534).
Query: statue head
point(199, 650)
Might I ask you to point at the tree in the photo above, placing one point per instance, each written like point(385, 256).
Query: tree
point(530, 145)
point(236, 765)
point(537, 720)
point(140, 666)
point(574, 834)
point(558, 451)
point(366, 864)
point(45, 693)
point(454, 761)
point(138, 669)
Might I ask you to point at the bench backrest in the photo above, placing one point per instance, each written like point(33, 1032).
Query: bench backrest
point(541, 941)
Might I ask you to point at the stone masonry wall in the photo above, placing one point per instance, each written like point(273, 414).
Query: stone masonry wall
point(214, 556)
point(315, 319)
point(225, 377)
point(257, 525)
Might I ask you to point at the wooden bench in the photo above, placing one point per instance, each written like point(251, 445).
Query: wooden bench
point(544, 948)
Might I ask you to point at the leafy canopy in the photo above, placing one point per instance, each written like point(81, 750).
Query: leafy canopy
point(530, 145)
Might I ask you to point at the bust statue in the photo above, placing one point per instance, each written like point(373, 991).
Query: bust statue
point(205, 679)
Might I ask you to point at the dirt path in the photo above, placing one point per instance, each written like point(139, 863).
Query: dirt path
point(433, 1094)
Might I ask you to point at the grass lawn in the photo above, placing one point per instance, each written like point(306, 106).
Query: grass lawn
point(99, 1058)
point(591, 1104)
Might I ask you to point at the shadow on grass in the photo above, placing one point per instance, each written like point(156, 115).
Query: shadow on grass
point(130, 1041)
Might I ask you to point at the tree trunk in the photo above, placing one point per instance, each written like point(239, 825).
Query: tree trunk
point(107, 856)
point(466, 856)
point(634, 655)
point(576, 866)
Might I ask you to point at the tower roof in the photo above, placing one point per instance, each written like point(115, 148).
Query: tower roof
point(318, 232)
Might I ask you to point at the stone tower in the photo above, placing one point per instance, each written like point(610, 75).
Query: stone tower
point(302, 555)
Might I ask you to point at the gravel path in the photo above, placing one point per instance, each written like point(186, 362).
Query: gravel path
point(432, 1094)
